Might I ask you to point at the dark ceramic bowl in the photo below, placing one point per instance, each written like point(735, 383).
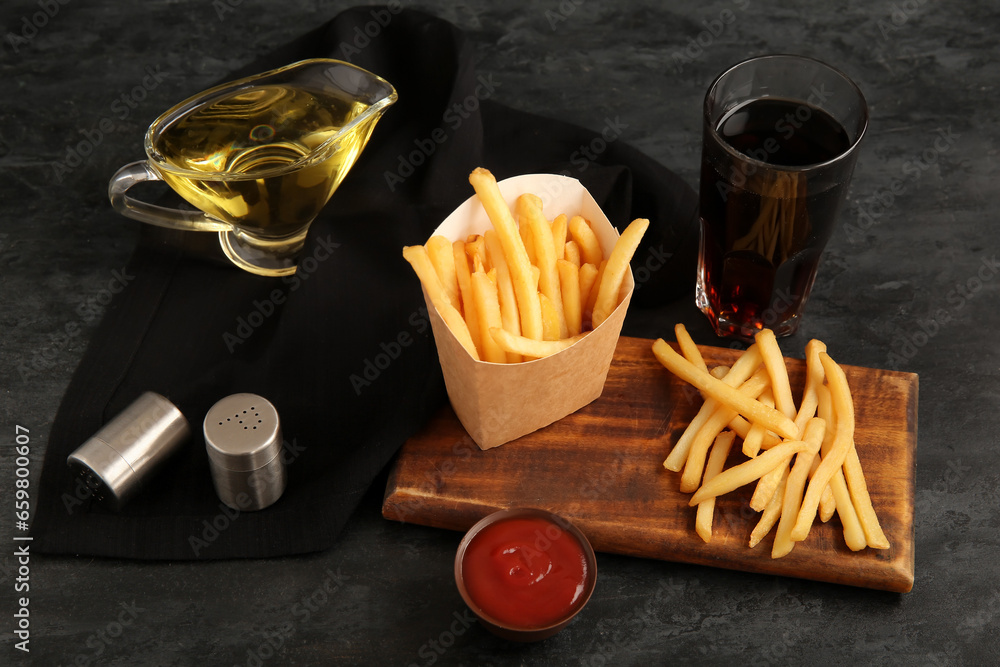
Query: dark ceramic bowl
point(526, 633)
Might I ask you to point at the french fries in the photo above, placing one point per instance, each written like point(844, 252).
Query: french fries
point(442, 257)
point(509, 316)
point(487, 303)
point(569, 283)
point(617, 267)
point(525, 287)
point(528, 287)
point(843, 439)
point(748, 471)
point(803, 459)
point(716, 461)
point(722, 392)
point(559, 229)
point(529, 347)
point(464, 277)
point(791, 496)
point(586, 240)
point(769, 517)
point(688, 347)
point(716, 423)
point(529, 208)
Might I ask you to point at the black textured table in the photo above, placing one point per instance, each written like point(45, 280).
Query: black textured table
point(909, 281)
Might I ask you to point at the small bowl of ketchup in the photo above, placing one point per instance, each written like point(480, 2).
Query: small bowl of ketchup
point(525, 573)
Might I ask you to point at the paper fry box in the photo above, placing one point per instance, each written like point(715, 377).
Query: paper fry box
point(498, 403)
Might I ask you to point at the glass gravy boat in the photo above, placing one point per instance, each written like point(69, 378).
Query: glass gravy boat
point(258, 157)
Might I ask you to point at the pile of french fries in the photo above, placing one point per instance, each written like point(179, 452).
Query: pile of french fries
point(527, 288)
point(752, 399)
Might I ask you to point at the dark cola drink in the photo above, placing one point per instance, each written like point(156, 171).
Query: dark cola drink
point(768, 207)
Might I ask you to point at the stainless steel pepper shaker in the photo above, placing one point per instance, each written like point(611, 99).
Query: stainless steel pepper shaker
point(126, 451)
point(243, 440)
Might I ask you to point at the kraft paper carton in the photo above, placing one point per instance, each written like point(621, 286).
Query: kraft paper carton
point(498, 403)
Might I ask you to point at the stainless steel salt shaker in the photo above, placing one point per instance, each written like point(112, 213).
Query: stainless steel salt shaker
point(125, 452)
point(243, 440)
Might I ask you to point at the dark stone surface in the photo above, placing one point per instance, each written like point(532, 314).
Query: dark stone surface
point(913, 286)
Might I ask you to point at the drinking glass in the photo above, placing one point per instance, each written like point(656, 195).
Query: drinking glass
point(780, 140)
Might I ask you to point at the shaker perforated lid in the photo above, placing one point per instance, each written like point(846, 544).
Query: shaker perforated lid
point(242, 432)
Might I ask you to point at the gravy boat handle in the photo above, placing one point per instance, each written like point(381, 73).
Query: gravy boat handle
point(161, 216)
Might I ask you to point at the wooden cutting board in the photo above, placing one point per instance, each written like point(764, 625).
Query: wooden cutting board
point(601, 467)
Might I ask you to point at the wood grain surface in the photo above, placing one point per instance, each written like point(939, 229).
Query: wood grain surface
point(601, 467)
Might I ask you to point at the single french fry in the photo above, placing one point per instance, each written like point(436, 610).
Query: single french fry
point(559, 229)
point(475, 248)
point(509, 317)
point(588, 310)
point(775, 363)
point(854, 534)
point(487, 303)
point(421, 263)
point(440, 252)
point(590, 247)
point(527, 240)
point(529, 207)
point(464, 275)
point(766, 487)
point(722, 392)
point(770, 515)
point(550, 319)
point(716, 461)
point(814, 378)
point(824, 410)
point(720, 372)
point(744, 367)
point(688, 347)
point(571, 252)
point(500, 216)
point(754, 438)
point(588, 278)
point(858, 488)
point(614, 273)
point(694, 466)
point(836, 491)
point(569, 282)
point(843, 406)
point(746, 472)
point(530, 347)
point(794, 486)
point(827, 501)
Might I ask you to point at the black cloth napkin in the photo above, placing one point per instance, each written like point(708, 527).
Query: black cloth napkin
point(343, 348)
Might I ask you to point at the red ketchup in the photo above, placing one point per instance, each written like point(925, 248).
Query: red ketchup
point(525, 572)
